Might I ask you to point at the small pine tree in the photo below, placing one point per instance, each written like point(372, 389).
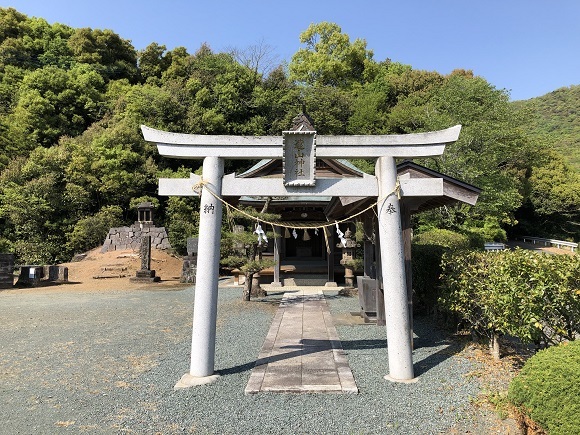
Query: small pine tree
point(242, 247)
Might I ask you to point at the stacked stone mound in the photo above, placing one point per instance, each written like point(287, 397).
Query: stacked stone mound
point(122, 238)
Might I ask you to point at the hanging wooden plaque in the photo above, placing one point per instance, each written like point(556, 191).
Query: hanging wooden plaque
point(299, 158)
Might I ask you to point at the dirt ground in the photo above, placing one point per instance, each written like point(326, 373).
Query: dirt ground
point(112, 270)
point(540, 248)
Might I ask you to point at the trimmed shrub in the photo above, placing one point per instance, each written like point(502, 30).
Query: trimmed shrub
point(535, 297)
point(444, 238)
point(547, 389)
point(491, 231)
point(427, 251)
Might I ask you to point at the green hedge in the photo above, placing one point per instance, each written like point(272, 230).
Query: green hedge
point(535, 297)
point(427, 251)
point(548, 389)
point(444, 238)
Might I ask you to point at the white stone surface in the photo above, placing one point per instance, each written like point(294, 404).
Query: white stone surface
point(344, 187)
point(393, 272)
point(188, 381)
point(206, 288)
point(188, 146)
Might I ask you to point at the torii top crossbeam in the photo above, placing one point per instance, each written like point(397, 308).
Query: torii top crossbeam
point(195, 146)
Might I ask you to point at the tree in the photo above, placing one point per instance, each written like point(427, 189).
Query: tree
point(153, 61)
point(35, 213)
point(259, 58)
point(492, 152)
point(330, 59)
point(552, 208)
point(114, 57)
point(242, 248)
point(54, 102)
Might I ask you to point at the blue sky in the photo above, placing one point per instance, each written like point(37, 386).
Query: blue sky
point(528, 47)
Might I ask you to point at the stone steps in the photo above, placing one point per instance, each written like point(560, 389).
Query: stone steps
point(112, 271)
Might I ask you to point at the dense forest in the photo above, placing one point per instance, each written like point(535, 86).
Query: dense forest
point(554, 119)
point(73, 162)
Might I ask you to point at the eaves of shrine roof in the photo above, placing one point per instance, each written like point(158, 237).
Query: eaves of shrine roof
point(333, 167)
point(288, 200)
point(454, 192)
point(410, 166)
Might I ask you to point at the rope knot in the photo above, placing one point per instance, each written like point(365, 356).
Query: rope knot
point(198, 187)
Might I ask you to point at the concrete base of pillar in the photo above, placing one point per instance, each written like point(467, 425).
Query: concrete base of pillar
point(331, 284)
point(146, 276)
point(188, 381)
point(401, 381)
point(277, 284)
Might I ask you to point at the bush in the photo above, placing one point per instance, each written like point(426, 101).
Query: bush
point(89, 232)
point(547, 389)
point(427, 251)
point(444, 238)
point(491, 231)
point(535, 297)
point(182, 221)
point(47, 250)
point(5, 245)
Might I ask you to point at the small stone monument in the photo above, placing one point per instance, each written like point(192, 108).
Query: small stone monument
point(189, 270)
point(145, 274)
point(30, 276)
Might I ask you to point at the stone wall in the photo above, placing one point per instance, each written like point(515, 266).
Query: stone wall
point(122, 238)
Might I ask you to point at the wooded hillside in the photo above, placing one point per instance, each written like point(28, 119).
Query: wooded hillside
point(554, 118)
point(73, 161)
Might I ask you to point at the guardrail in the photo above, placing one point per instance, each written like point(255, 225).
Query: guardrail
point(551, 242)
point(494, 246)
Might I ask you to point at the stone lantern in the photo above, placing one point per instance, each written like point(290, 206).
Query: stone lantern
point(145, 213)
point(348, 246)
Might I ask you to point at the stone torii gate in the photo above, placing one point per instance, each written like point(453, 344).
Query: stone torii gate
point(299, 150)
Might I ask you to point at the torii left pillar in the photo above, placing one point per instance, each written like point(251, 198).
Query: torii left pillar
point(206, 287)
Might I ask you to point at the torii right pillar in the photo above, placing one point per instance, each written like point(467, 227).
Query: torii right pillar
point(393, 273)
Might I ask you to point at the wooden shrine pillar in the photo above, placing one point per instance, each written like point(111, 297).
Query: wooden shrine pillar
point(330, 282)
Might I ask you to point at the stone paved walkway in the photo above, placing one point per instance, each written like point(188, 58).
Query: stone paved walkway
point(302, 352)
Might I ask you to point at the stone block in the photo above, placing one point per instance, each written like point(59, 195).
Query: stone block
point(192, 245)
point(56, 273)
point(130, 237)
point(145, 276)
point(189, 269)
point(30, 276)
point(6, 270)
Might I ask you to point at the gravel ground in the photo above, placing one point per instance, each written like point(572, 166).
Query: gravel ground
point(106, 362)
